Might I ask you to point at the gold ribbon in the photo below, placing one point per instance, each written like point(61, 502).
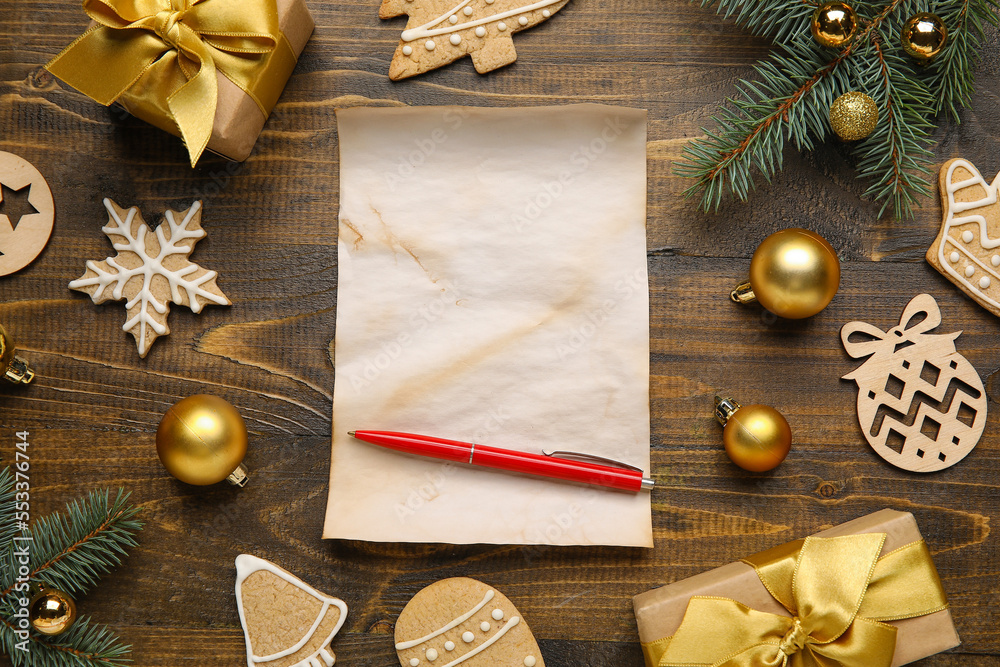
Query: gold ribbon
point(839, 594)
point(162, 56)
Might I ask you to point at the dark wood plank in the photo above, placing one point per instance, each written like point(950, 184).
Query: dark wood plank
point(272, 231)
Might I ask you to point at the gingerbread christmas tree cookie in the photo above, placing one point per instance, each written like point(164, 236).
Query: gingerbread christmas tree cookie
point(441, 31)
point(150, 270)
point(967, 248)
point(286, 622)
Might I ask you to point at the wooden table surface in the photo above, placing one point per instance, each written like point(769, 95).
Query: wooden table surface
point(272, 221)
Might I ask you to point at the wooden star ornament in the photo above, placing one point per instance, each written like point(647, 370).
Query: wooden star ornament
point(150, 270)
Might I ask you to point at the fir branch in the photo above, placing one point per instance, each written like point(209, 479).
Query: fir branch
point(71, 551)
point(781, 20)
point(8, 522)
point(952, 73)
point(83, 645)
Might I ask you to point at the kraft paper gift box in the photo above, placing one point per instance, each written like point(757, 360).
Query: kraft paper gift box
point(660, 612)
point(240, 111)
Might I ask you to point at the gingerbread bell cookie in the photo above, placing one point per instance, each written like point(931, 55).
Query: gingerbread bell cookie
point(441, 31)
point(286, 622)
point(27, 213)
point(967, 248)
point(462, 621)
point(150, 270)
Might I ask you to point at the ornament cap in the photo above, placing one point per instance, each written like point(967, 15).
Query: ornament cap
point(14, 368)
point(743, 293)
point(725, 408)
point(239, 477)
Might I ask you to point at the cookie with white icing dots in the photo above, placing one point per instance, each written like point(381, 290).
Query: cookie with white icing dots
point(465, 622)
point(286, 622)
point(441, 31)
point(967, 248)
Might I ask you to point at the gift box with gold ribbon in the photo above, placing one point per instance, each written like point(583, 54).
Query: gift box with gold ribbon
point(208, 71)
point(862, 594)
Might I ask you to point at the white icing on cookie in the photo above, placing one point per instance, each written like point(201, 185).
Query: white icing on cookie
point(529, 661)
point(328, 658)
point(994, 260)
point(467, 11)
point(468, 637)
point(480, 31)
point(429, 45)
point(546, 13)
point(501, 26)
point(497, 614)
point(428, 29)
point(453, 18)
point(432, 654)
point(514, 620)
point(407, 49)
point(449, 645)
point(984, 282)
point(454, 623)
point(455, 39)
point(523, 20)
point(484, 626)
point(247, 565)
point(955, 257)
point(970, 271)
point(414, 662)
point(969, 213)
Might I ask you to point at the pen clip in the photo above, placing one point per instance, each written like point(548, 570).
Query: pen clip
point(561, 454)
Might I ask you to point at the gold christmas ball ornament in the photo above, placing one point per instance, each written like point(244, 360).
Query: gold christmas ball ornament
point(51, 612)
point(757, 437)
point(923, 36)
point(12, 367)
point(853, 116)
point(202, 440)
point(834, 24)
point(794, 273)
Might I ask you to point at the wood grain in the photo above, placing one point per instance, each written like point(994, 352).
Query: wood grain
point(95, 405)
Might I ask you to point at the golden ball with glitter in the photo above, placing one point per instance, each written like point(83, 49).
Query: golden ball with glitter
point(924, 36)
point(834, 24)
point(202, 440)
point(853, 116)
point(51, 612)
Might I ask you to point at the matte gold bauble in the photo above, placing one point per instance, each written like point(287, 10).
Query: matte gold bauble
point(853, 116)
point(202, 440)
point(834, 24)
point(757, 437)
point(794, 273)
point(923, 36)
point(51, 612)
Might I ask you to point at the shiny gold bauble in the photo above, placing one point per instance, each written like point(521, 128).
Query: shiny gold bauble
point(794, 273)
point(923, 36)
point(757, 437)
point(202, 440)
point(853, 116)
point(51, 612)
point(834, 24)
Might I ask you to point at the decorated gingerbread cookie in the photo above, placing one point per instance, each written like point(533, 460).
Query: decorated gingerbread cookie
point(286, 622)
point(26, 213)
point(921, 404)
point(441, 31)
point(150, 270)
point(967, 249)
point(462, 621)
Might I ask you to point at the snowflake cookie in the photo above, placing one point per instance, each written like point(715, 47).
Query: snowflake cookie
point(441, 31)
point(150, 270)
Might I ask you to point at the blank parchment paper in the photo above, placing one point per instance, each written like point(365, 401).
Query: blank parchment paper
point(492, 289)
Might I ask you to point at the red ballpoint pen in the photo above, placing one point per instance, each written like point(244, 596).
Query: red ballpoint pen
point(548, 464)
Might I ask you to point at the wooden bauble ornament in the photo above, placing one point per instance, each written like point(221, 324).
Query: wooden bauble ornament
point(464, 621)
point(27, 213)
point(286, 622)
point(921, 404)
point(967, 248)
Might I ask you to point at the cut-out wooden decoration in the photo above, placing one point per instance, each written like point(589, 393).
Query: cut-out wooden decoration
point(27, 213)
point(967, 248)
point(921, 404)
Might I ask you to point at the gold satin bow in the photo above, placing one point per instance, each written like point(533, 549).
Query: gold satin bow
point(162, 55)
point(839, 594)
